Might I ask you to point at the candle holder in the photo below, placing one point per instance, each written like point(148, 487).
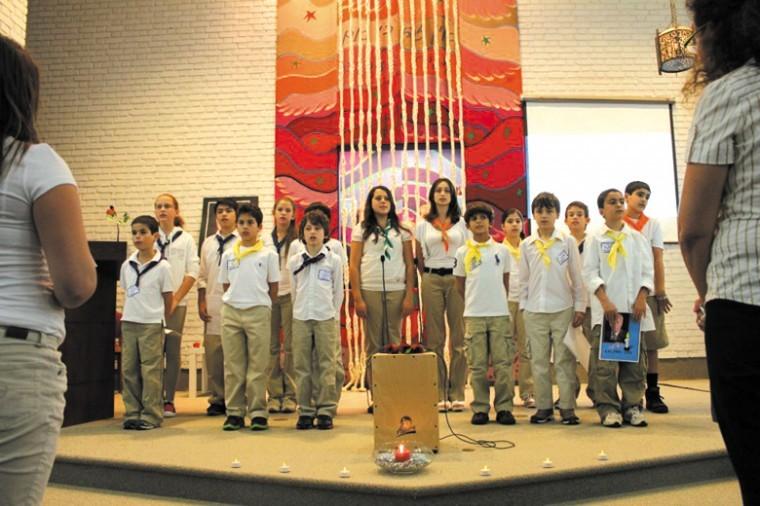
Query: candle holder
point(403, 457)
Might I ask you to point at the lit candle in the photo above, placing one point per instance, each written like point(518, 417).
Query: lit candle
point(402, 453)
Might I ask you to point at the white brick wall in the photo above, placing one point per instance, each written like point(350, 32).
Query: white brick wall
point(13, 19)
point(605, 49)
point(142, 97)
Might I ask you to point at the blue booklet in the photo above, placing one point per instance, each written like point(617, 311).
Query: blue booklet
point(622, 343)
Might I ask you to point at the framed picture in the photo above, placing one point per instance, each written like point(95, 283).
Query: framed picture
point(208, 219)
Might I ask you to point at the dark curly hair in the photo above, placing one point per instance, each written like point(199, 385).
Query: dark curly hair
point(728, 36)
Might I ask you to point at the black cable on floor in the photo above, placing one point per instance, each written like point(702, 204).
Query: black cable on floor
point(685, 387)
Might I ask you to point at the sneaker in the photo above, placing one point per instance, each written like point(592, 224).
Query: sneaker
point(654, 401)
point(505, 418)
point(529, 402)
point(479, 419)
point(233, 423)
point(612, 419)
point(305, 422)
point(130, 424)
point(259, 423)
point(169, 411)
point(324, 422)
point(288, 406)
point(635, 417)
point(444, 406)
point(542, 416)
point(457, 406)
point(216, 409)
point(569, 417)
point(144, 425)
point(274, 405)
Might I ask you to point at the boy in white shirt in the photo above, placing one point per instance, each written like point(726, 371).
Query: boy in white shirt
point(482, 277)
point(249, 273)
point(317, 281)
point(618, 270)
point(147, 281)
point(210, 300)
point(551, 297)
point(637, 195)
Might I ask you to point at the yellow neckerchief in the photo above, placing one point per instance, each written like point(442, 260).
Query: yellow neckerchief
point(543, 247)
point(253, 249)
point(514, 251)
point(473, 253)
point(616, 248)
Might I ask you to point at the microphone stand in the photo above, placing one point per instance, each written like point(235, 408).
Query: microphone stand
point(385, 325)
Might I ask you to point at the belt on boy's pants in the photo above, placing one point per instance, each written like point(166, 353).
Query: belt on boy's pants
point(439, 272)
point(30, 336)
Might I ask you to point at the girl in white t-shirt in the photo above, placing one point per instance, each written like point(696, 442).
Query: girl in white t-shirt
point(382, 272)
point(281, 388)
point(438, 238)
point(179, 248)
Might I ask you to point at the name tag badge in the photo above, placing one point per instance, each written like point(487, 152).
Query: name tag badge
point(606, 247)
point(562, 257)
point(232, 264)
point(325, 275)
point(133, 290)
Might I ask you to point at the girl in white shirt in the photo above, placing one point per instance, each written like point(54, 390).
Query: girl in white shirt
point(438, 238)
point(179, 248)
point(381, 272)
point(281, 389)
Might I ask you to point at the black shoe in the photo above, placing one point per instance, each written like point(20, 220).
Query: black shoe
point(259, 423)
point(569, 417)
point(324, 422)
point(542, 416)
point(479, 419)
point(371, 409)
point(654, 401)
point(233, 423)
point(130, 424)
point(216, 410)
point(305, 422)
point(505, 418)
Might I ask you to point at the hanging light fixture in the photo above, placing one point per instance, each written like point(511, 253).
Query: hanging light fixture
point(672, 55)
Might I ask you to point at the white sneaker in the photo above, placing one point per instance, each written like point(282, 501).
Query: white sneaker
point(613, 419)
point(457, 406)
point(444, 406)
point(529, 402)
point(635, 417)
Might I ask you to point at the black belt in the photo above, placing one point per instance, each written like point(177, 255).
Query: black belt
point(32, 336)
point(440, 272)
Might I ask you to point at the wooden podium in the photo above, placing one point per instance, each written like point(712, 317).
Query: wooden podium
point(405, 386)
point(88, 350)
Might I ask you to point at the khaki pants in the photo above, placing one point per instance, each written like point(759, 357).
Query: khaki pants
point(630, 376)
point(373, 323)
point(524, 378)
point(546, 331)
point(173, 350)
point(245, 338)
point(593, 357)
point(141, 358)
point(214, 354)
point(656, 339)
point(314, 365)
point(484, 337)
point(440, 297)
point(280, 371)
point(340, 371)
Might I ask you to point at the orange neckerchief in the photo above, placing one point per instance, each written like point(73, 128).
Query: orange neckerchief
point(637, 225)
point(441, 225)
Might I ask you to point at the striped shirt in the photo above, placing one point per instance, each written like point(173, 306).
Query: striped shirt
point(726, 131)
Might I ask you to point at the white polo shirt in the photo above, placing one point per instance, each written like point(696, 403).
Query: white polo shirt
point(284, 287)
point(181, 254)
point(484, 292)
point(249, 279)
point(144, 302)
point(652, 231)
point(632, 272)
point(208, 278)
point(297, 247)
point(371, 266)
point(431, 240)
point(556, 287)
point(514, 274)
point(318, 287)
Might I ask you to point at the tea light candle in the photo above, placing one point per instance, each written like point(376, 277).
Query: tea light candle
point(402, 453)
point(344, 473)
point(602, 456)
point(235, 463)
point(284, 468)
point(548, 463)
point(485, 471)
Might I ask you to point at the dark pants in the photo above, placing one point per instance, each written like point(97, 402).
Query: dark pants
point(733, 362)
